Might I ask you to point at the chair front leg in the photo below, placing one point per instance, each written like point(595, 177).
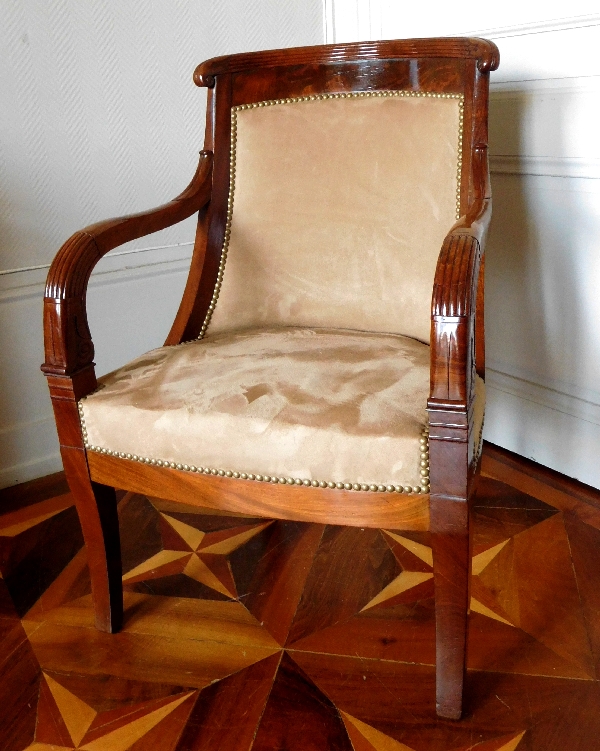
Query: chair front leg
point(451, 573)
point(97, 509)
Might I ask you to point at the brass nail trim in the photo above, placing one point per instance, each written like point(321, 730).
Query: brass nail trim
point(314, 98)
point(479, 449)
point(373, 487)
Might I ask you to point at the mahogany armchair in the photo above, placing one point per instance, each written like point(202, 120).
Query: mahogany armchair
point(309, 374)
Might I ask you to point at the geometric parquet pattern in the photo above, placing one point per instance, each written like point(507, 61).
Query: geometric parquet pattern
point(242, 633)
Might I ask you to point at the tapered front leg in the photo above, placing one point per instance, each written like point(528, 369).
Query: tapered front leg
point(451, 573)
point(97, 509)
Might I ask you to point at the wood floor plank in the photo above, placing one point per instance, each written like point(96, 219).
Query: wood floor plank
point(274, 592)
point(400, 633)
point(139, 525)
point(227, 713)
point(30, 560)
point(165, 735)
point(143, 657)
point(51, 727)
point(171, 617)
point(360, 732)
point(351, 567)
point(533, 581)
point(299, 717)
point(396, 700)
point(496, 647)
point(15, 522)
point(71, 584)
point(585, 553)
point(19, 686)
point(541, 490)
point(34, 491)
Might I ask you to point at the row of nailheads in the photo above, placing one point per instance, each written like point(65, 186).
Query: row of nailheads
point(312, 98)
point(479, 449)
point(461, 115)
point(423, 488)
point(347, 95)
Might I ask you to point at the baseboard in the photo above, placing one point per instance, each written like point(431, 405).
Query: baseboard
point(554, 429)
point(30, 470)
point(544, 165)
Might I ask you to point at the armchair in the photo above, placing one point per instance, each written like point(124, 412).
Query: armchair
point(308, 349)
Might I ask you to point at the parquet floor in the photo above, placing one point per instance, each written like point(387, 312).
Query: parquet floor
point(280, 636)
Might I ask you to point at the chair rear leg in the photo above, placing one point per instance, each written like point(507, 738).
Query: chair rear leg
point(97, 509)
point(451, 573)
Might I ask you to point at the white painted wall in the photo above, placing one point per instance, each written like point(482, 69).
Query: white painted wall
point(543, 254)
point(99, 117)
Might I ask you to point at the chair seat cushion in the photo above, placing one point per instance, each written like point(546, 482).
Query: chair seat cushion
point(310, 404)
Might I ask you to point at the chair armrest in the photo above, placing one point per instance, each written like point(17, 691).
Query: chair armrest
point(454, 306)
point(67, 339)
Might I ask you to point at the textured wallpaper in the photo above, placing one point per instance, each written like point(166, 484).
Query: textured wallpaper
point(99, 114)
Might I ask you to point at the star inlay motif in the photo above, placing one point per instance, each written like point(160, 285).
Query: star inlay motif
point(408, 579)
point(67, 723)
point(202, 556)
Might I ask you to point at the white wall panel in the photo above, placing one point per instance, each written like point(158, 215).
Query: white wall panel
point(543, 253)
point(100, 117)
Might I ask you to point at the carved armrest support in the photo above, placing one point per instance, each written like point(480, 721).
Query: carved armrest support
point(454, 305)
point(67, 340)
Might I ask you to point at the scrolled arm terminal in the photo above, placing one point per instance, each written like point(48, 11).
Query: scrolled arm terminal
point(67, 340)
point(454, 303)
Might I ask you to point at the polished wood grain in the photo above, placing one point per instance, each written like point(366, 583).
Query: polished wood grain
point(16, 496)
point(19, 686)
point(318, 648)
point(248, 497)
point(451, 65)
point(227, 714)
point(299, 714)
point(484, 52)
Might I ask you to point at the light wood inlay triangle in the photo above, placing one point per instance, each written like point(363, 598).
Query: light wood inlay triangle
point(376, 738)
point(77, 715)
point(406, 580)
point(479, 607)
point(155, 562)
point(198, 570)
point(190, 535)
point(421, 551)
point(125, 736)
point(481, 560)
point(227, 546)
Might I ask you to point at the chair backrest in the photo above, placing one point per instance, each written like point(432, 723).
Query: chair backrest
point(339, 170)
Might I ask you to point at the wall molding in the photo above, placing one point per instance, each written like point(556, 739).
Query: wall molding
point(31, 470)
point(24, 446)
point(545, 165)
point(30, 281)
point(554, 429)
point(541, 27)
point(367, 15)
point(23, 269)
point(551, 398)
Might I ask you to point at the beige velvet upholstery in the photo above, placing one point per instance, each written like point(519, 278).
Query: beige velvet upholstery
point(340, 207)
point(309, 404)
point(324, 404)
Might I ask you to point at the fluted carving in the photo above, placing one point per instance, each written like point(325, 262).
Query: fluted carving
point(453, 311)
point(67, 339)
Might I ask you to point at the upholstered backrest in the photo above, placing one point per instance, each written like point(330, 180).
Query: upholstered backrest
point(338, 206)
